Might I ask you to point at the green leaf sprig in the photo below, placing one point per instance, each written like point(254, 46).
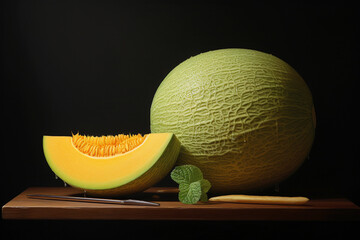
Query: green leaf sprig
point(192, 186)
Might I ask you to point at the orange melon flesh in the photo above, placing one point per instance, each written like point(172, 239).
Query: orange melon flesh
point(126, 173)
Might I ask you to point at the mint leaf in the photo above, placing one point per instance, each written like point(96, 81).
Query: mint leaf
point(186, 174)
point(190, 193)
point(205, 185)
point(192, 186)
point(204, 197)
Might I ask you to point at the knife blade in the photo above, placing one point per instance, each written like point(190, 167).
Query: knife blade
point(93, 200)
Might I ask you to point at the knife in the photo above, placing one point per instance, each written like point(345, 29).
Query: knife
point(93, 200)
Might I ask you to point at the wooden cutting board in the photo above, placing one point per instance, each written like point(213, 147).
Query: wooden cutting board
point(22, 207)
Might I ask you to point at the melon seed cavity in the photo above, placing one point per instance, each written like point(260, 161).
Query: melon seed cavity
point(107, 146)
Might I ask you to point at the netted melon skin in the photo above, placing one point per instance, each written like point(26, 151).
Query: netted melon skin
point(244, 117)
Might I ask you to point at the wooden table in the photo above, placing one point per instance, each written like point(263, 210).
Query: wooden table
point(22, 207)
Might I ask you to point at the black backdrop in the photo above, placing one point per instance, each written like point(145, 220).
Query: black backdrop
point(94, 66)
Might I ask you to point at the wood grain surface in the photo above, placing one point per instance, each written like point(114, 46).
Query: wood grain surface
point(22, 207)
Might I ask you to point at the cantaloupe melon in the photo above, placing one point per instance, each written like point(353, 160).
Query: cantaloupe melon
point(111, 165)
point(244, 117)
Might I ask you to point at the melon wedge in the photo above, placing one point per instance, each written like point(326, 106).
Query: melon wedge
point(121, 174)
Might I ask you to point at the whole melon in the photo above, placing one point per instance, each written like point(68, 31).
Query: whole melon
point(244, 117)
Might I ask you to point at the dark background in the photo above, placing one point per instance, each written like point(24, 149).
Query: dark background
point(94, 66)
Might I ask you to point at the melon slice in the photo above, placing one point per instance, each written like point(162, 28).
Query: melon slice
point(111, 165)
